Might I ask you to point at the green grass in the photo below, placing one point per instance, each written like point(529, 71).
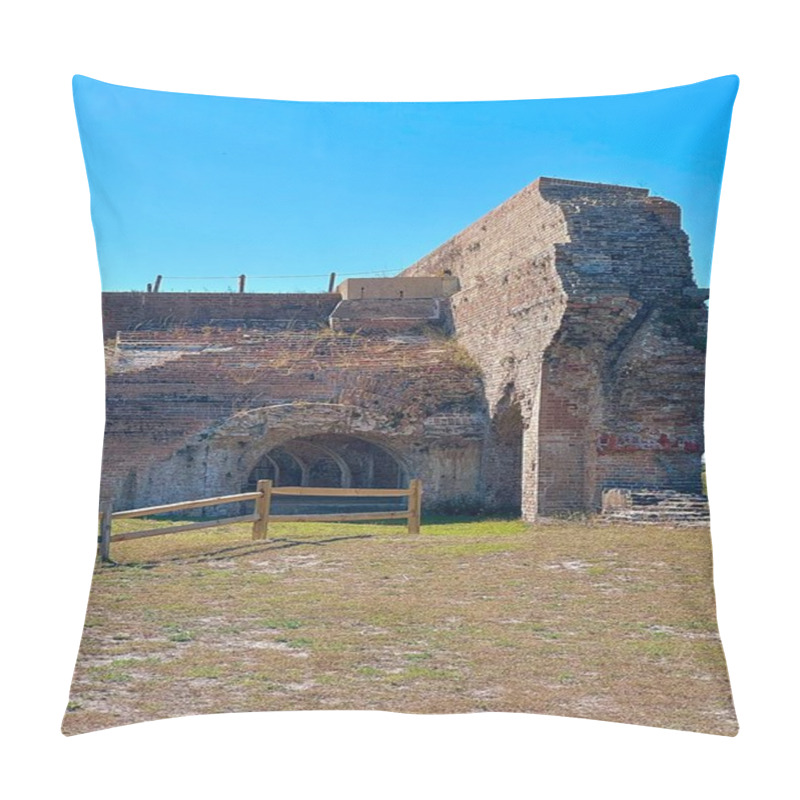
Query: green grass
point(569, 618)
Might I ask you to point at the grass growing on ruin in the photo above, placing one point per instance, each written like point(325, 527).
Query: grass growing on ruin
point(569, 618)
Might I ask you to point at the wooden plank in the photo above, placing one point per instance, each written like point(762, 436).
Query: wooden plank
point(194, 526)
point(414, 505)
point(105, 534)
point(324, 491)
point(208, 501)
point(261, 524)
point(339, 517)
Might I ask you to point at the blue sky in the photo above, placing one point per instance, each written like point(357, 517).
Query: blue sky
point(211, 187)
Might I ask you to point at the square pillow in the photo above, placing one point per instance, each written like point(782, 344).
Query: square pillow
point(404, 407)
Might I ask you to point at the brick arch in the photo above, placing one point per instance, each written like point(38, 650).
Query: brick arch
point(219, 459)
point(504, 453)
point(318, 459)
point(262, 430)
point(282, 468)
point(361, 463)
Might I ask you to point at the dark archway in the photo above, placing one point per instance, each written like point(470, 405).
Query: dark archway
point(335, 460)
point(507, 430)
point(280, 467)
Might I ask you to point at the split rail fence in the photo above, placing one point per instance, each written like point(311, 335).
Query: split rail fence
point(261, 518)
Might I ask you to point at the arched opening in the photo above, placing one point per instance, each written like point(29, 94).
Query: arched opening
point(279, 467)
point(334, 460)
point(507, 431)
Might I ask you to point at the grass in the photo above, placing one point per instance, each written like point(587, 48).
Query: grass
point(569, 618)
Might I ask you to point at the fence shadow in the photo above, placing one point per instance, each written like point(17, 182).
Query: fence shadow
point(262, 516)
point(241, 550)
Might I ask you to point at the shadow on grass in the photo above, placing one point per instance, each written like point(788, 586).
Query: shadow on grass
point(434, 520)
point(430, 522)
point(220, 553)
point(442, 519)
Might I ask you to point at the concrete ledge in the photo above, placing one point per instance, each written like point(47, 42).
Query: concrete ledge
point(385, 315)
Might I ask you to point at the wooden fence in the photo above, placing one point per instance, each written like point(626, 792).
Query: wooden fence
point(261, 518)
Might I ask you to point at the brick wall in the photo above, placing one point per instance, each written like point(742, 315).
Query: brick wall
point(578, 366)
point(127, 311)
point(396, 288)
point(386, 315)
point(574, 303)
point(192, 410)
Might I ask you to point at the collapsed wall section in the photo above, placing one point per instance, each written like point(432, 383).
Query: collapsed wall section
point(623, 379)
point(578, 302)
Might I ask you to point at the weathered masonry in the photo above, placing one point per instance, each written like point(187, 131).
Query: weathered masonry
point(551, 351)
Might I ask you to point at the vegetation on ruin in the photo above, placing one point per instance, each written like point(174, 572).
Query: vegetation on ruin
point(579, 619)
point(456, 352)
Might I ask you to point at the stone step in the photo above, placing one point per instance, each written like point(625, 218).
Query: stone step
point(671, 509)
point(637, 519)
point(653, 515)
point(657, 506)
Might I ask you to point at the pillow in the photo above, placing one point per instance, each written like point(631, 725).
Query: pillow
point(357, 459)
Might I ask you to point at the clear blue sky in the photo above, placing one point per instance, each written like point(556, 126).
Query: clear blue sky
point(207, 187)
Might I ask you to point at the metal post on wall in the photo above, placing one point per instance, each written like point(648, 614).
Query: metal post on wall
point(157, 284)
point(331, 281)
point(242, 279)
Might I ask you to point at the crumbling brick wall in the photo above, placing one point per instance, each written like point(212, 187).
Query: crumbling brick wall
point(192, 409)
point(579, 304)
point(577, 365)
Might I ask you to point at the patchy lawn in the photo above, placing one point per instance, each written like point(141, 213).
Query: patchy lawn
point(609, 622)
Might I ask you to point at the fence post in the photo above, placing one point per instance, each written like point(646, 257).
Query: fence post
point(414, 504)
point(262, 509)
point(105, 533)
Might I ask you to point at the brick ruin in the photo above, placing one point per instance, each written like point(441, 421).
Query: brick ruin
point(550, 353)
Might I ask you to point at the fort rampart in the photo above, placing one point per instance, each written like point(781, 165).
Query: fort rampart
point(578, 302)
point(561, 353)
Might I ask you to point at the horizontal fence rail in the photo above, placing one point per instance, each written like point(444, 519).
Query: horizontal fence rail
point(262, 517)
point(193, 526)
point(208, 501)
point(324, 491)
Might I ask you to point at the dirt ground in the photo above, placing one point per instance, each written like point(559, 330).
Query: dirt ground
point(610, 622)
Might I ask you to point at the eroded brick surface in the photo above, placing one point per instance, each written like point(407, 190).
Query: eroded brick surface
point(569, 360)
point(579, 304)
point(190, 411)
